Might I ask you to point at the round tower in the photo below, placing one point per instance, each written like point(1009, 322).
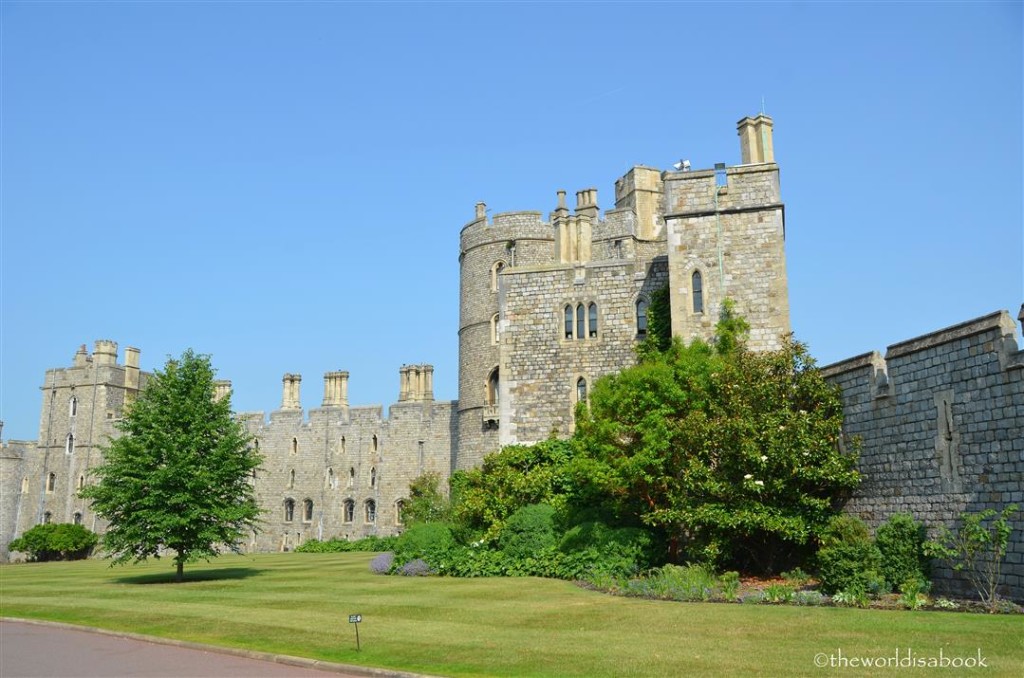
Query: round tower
point(489, 252)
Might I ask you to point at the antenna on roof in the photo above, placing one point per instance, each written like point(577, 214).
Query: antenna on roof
point(762, 104)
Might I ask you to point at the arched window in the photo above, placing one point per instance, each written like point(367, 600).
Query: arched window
point(581, 330)
point(69, 444)
point(492, 387)
point(343, 444)
point(291, 479)
point(51, 482)
point(289, 510)
point(496, 270)
point(400, 512)
point(81, 482)
point(581, 390)
point(568, 322)
point(73, 406)
point(592, 320)
point(350, 511)
point(351, 476)
point(77, 518)
point(371, 511)
point(307, 510)
point(47, 517)
point(698, 292)
point(494, 328)
point(295, 446)
point(330, 478)
point(641, 318)
point(374, 442)
point(373, 477)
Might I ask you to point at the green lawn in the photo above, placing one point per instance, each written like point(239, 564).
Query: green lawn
point(298, 604)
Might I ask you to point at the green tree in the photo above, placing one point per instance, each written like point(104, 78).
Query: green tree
point(733, 454)
point(426, 503)
point(178, 477)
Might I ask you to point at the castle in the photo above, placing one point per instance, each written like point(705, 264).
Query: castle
point(546, 308)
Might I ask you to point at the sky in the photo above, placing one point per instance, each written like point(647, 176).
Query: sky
point(282, 185)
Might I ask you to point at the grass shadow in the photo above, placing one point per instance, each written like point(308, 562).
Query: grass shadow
point(193, 576)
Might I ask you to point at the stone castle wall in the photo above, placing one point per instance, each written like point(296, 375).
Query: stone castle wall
point(941, 424)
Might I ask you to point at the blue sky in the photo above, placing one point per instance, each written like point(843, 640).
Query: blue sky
point(282, 185)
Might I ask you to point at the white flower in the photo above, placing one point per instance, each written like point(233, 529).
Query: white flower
point(747, 477)
point(764, 457)
point(759, 482)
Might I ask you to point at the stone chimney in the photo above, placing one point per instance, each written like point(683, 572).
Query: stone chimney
point(416, 383)
point(131, 367)
point(756, 140)
point(290, 392)
point(481, 211)
point(81, 356)
point(221, 389)
point(336, 389)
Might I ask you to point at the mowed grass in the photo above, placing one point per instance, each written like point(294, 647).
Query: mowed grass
point(298, 604)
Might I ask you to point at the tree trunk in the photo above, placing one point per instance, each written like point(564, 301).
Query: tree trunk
point(180, 575)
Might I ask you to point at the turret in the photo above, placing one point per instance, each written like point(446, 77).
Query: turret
point(131, 367)
point(105, 352)
point(221, 389)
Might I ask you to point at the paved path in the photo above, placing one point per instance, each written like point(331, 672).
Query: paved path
point(30, 649)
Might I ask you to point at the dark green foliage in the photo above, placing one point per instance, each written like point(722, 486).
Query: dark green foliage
point(426, 503)
point(528, 531)
point(517, 476)
point(56, 541)
point(371, 544)
point(659, 321)
point(431, 542)
point(900, 540)
point(849, 561)
point(180, 475)
point(732, 455)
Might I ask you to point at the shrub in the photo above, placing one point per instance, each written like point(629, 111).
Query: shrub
point(431, 542)
point(900, 540)
point(850, 599)
point(415, 568)
point(382, 563)
point(527, 531)
point(845, 529)
point(946, 604)
point(56, 541)
point(369, 544)
point(977, 549)
point(848, 561)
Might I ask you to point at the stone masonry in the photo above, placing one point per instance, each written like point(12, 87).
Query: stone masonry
point(941, 423)
point(547, 307)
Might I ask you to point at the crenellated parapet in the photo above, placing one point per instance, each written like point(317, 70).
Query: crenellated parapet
point(940, 423)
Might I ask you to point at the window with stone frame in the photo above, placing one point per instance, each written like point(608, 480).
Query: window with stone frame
point(348, 511)
point(493, 387)
point(373, 477)
point(77, 518)
point(592, 320)
point(289, 510)
point(641, 318)
point(400, 512)
point(697, 285)
point(568, 321)
point(73, 406)
point(496, 270)
point(581, 330)
point(307, 511)
point(371, 511)
point(51, 482)
point(69, 444)
point(581, 390)
point(494, 328)
point(351, 476)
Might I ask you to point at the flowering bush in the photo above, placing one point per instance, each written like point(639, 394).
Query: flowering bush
point(382, 563)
